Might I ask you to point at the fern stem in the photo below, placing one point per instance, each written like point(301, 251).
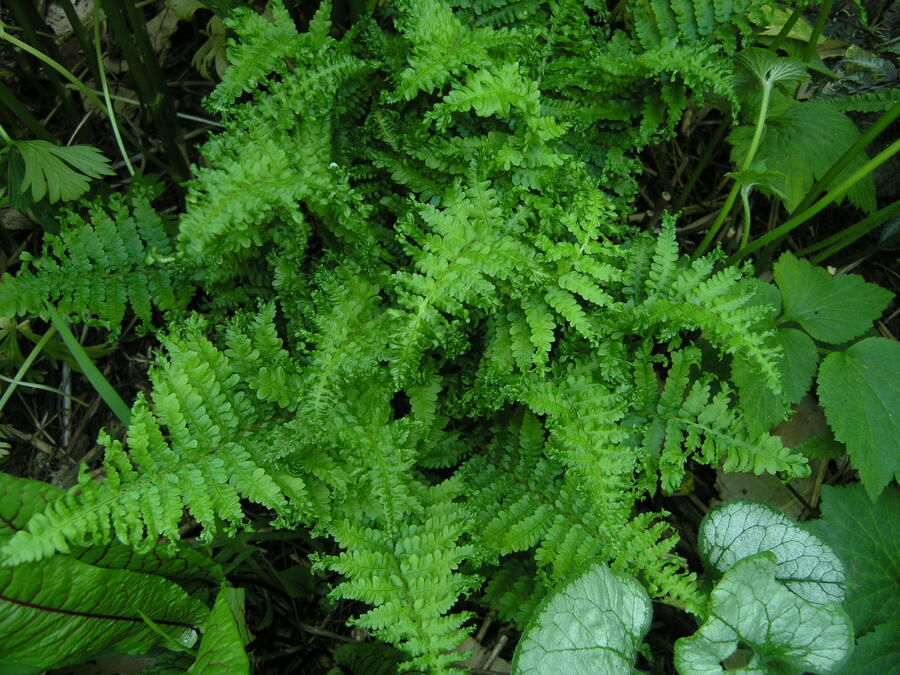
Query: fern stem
point(40, 56)
point(788, 25)
point(810, 49)
point(110, 111)
point(26, 364)
point(93, 374)
point(702, 163)
point(845, 237)
point(748, 160)
point(883, 123)
point(829, 197)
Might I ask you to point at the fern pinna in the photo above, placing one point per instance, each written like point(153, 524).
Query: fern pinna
point(424, 328)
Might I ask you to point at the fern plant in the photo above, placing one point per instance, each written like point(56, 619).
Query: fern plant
point(422, 327)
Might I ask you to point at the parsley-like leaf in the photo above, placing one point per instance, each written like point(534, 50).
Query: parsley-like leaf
point(60, 172)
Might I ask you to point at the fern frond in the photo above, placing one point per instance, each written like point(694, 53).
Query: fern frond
point(203, 467)
point(259, 50)
point(256, 353)
point(497, 12)
point(657, 433)
point(488, 92)
point(440, 47)
point(386, 458)
point(720, 304)
point(410, 575)
point(515, 591)
point(665, 259)
point(541, 327)
point(642, 547)
point(471, 245)
point(707, 427)
point(97, 267)
point(583, 416)
point(524, 500)
point(692, 20)
point(869, 101)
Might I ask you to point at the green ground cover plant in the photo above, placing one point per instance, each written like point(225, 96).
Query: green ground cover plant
point(405, 313)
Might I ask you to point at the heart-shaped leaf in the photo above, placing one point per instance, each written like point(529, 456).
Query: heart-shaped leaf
point(784, 633)
point(593, 624)
point(741, 528)
point(61, 611)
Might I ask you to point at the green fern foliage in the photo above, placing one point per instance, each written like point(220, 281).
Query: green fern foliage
point(410, 572)
point(523, 500)
point(258, 50)
point(205, 466)
point(694, 20)
point(440, 46)
point(425, 328)
point(99, 266)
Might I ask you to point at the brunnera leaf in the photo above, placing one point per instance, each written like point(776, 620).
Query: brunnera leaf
point(784, 632)
point(741, 528)
point(592, 624)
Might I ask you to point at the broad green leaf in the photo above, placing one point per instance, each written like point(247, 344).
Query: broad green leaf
point(799, 363)
point(21, 498)
point(592, 624)
point(757, 177)
point(61, 611)
point(866, 536)
point(60, 172)
point(830, 309)
point(860, 391)
point(792, 144)
point(176, 562)
point(764, 65)
point(224, 636)
point(802, 30)
point(877, 652)
point(740, 528)
point(786, 634)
